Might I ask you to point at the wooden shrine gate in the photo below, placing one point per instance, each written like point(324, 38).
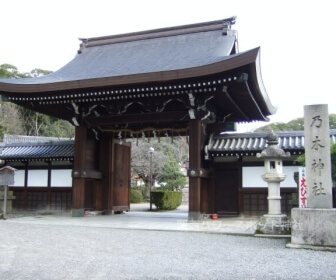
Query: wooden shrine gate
point(185, 80)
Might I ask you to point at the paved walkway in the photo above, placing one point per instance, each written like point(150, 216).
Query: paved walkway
point(141, 218)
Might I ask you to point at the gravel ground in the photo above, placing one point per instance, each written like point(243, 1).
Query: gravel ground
point(70, 252)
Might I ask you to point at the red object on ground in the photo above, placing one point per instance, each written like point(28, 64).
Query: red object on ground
point(214, 216)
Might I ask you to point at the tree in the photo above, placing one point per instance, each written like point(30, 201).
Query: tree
point(172, 176)
point(140, 162)
point(19, 120)
point(293, 125)
point(9, 71)
point(37, 72)
point(177, 147)
point(9, 119)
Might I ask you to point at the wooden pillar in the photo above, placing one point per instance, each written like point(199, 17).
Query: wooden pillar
point(106, 153)
point(195, 140)
point(25, 191)
point(78, 186)
point(49, 185)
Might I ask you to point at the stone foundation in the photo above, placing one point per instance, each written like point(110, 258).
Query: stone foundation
point(273, 225)
point(313, 228)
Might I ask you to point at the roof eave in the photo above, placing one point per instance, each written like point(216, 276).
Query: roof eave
point(243, 59)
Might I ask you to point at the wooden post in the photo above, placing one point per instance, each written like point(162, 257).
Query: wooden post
point(6, 178)
point(195, 140)
point(5, 202)
point(78, 188)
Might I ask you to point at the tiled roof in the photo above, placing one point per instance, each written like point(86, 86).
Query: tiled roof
point(51, 150)
point(150, 51)
point(12, 138)
point(245, 144)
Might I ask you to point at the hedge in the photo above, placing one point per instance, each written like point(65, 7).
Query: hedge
point(166, 200)
point(136, 196)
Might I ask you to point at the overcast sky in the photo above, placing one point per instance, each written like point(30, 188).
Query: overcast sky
point(297, 38)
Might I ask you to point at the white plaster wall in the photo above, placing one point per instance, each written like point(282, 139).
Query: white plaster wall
point(61, 178)
point(18, 178)
point(252, 177)
point(37, 178)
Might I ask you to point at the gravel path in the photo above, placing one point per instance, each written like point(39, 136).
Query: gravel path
point(69, 252)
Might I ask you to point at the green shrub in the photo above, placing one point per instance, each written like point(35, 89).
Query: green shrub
point(166, 200)
point(136, 196)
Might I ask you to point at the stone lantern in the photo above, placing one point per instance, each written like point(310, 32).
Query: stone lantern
point(274, 222)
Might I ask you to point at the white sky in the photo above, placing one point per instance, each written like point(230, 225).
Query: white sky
point(298, 48)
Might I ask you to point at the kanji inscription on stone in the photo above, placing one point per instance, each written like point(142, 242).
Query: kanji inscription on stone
point(317, 153)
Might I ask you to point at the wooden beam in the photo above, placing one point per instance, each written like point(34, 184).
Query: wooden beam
point(174, 116)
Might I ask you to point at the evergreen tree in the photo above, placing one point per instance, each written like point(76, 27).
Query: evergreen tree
point(172, 176)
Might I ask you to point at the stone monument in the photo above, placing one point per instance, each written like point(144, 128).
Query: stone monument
point(315, 226)
point(274, 222)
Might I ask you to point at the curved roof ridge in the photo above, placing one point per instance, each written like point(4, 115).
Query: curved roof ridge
point(157, 33)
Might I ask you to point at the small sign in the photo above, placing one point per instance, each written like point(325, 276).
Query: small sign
point(7, 176)
point(302, 188)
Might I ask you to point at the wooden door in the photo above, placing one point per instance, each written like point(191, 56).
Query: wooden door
point(121, 176)
point(89, 193)
point(226, 192)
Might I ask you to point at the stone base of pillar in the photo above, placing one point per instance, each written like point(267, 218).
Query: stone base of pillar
point(273, 225)
point(77, 212)
point(108, 212)
point(194, 216)
point(313, 228)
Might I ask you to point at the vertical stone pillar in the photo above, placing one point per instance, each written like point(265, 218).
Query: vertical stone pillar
point(317, 153)
point(314, 226)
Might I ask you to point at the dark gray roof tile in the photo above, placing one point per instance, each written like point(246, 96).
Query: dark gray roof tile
point(233, 144)
point(38, 151)
point(166, 51)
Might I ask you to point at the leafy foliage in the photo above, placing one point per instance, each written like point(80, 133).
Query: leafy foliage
point(136, 196)
point(18, 120)
point(293, 125)
point(178, 149)
point(172, 176)
point(333, 161)
point(166, 200)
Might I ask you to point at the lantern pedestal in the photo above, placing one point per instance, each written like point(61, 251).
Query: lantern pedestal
point(274, 222)
point(273, 225)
